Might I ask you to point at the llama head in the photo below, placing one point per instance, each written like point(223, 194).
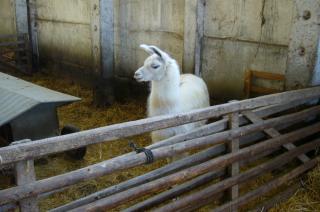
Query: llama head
point(155, 66)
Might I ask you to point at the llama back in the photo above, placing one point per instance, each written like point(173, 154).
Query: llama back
point(193, 93)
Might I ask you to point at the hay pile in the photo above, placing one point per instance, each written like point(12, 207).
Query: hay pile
point(305, 199)
point(85, 116)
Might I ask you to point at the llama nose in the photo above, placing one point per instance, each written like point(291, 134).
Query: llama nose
point(137, 75)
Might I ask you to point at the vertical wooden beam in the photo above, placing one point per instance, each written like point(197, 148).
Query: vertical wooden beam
point(247, 83)
point(25, 173)
point(303, 44)
point(21, 16)
point(33, 32)
point(316, 73)
point(199, 36)
point(107, 37)
point(95, 36)
point(233, 147)
point(189, 43)
point(19, 54)
point(28, 53)
point(22, 28)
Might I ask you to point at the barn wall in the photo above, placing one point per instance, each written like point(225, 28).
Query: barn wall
point(154, 22)
point(247, 34)
point(64, 32)
point(238, 35)
point(7, 17)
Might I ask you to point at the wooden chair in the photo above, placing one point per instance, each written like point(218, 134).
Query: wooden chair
point(250, 88)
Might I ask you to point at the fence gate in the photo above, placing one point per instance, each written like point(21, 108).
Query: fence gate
point(276, 134)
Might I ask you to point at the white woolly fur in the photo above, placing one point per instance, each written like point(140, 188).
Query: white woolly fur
point(171, 92)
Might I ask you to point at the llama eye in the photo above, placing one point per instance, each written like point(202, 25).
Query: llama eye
point(155, 66)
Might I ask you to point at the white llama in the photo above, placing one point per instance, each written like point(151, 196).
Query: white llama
point(171, 92)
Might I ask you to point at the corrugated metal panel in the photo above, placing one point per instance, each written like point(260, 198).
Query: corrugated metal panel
point(18, 96)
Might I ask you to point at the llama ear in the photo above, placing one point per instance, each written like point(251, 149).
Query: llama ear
point(157, 51)
point(147, 48)
point(152, 50)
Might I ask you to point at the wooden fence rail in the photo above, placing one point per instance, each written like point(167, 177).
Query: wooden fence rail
point(192, 160)
point(124, 162)
point(245, 176)
point(215, 127)
point(215, 164)
point(249, 122)
point(271, 185)
point(176, 166)
point(63, 143)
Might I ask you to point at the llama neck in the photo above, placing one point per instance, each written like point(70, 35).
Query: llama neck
point(168, 87)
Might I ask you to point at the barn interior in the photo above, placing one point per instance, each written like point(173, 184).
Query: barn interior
point(90, 50)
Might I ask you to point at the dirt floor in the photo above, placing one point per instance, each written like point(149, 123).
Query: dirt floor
point(85, 116)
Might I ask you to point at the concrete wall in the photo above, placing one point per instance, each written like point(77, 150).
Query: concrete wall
point(7, 17)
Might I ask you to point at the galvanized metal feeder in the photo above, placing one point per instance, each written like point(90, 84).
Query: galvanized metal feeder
point(29, 111)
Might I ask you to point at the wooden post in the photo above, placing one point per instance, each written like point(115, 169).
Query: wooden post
point(95, 36)
point(247, 83)
point(19, 54)
point(199, 36)
point(33, 32)
point(24, 173)
point(21, 13)
point(28, 55)
point(107, 37)
point(189, 43)
point(21, 17)
point(233, 147)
